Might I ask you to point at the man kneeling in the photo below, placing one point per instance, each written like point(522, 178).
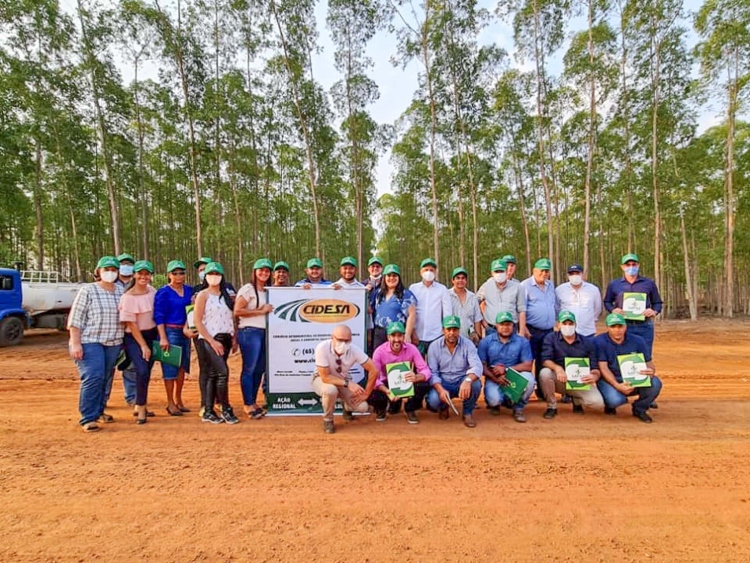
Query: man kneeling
point(455, 367)
point(333, 360)
point(558, 346)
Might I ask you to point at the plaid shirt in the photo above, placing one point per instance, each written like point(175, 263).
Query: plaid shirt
point(94, 313)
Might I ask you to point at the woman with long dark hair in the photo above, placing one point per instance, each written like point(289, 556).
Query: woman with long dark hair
point(214, 321)
point(137, 314)
point(251, 308)
point(393, 303)
point(170, 316)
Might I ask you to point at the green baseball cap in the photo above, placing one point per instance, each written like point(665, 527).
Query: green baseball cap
point(281, 265)
point(348, 261)
point(451, 321)
point(543, 264)
point(108, 262)
point(629, 257)
point(510, 258)
point(499, 265)
point(503, 317)
point(143, 265)
point(262, 263)
point(395, 327)
point(175, 265)
point(391, 269)
point(374, 260)
point(615, 319)
point(314, 263)
point(202, 260)
point(427, 262)
point(566, 316)
point(125, 257)
point(214, 268)
point(459, 270)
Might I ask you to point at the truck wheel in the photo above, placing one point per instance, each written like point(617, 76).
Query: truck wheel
point(11, 331)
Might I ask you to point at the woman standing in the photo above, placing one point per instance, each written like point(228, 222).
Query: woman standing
point(96, 341)
point(393, 303)
point(251, 308)
point(170, 317)
point(214, 322)
point(137, 314)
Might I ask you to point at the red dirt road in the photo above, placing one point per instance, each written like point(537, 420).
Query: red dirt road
point(590, 488)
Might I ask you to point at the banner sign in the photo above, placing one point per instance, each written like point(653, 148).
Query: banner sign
point(301, 319)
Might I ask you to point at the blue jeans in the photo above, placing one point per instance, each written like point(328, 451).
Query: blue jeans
point(96, 369)
point(646, 395)
point(175, 337)
point(433, 399)
point(646, 331)
point(128, 385)
point(141, 366)
point(252, 343)
point(493, 393)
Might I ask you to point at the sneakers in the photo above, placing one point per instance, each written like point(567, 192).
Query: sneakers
point(577, 409)
point(518, 416)
point(550, 413)
point(201, 412)
point(328, 427)
point(210, 416)
point(380, 416)
point(610, 410)
point(91, 427)
point(642, 416)
point(227, 413)
point(411, 416)
point(348, 415)
point(106, 418)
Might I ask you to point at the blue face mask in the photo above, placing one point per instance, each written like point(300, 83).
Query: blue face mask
point(631, 270)
point(126, 270)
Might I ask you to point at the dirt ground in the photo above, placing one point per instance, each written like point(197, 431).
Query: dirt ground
point(590, 488)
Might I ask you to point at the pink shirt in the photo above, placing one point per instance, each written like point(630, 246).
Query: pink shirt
point(383, 356)
point(138, 309)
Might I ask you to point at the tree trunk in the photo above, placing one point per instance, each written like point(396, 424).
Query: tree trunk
point(692, 303)
point(655, 86)
point(142, 195)
point(729, 193)
point(38, 190)
point(433, 129)
point(590, 154)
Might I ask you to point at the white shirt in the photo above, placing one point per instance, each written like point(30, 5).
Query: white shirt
point(347, 285)
point(469, 311)
point(585, 303)
point(433, 304)
point(338, 366)
point(256, 321)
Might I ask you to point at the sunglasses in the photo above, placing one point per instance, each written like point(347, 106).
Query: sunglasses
point(178, 273)
point(339, 369)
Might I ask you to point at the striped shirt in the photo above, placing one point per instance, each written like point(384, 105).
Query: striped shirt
point(95, 314)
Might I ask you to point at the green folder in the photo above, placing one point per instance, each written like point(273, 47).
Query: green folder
point(173, 356)
point(575, 369)
point(633, 306)
point(396, 383)
point(630, 369)
point(516, 385)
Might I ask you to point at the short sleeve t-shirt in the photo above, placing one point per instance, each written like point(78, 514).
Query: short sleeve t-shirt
point(339, 366)
point(248, 293)
point(138, 309)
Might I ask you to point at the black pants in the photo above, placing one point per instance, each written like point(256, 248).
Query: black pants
point(140, 365)
point(380, 401)
point(214, 372)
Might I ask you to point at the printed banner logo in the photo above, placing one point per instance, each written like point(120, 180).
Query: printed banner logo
point(317, 311)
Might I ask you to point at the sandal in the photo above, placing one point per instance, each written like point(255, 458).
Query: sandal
point(91, 427)
point(178, 412)
point(183, 408)
point(149, 414)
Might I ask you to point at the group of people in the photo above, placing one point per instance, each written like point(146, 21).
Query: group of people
point(511, 333)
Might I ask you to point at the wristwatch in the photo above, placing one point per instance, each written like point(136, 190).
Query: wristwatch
point(468, 379)
point(346, 383)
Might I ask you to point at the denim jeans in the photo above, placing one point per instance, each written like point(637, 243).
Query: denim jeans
point(175, 337)
point(96, 369)
point(469, 404)
point(128, 385)
point(646, 395)
point(646, 331)
point(493, 393)
point(141, 366)
point(252, 343)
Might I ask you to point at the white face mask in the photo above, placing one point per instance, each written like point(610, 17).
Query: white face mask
point(341, 347)
point(201, 275)
point(568, 330)
point(499, 277)
point(213, 279)
point(126, 270)
point(428, 276)
point(575, 279)
point(108, 276)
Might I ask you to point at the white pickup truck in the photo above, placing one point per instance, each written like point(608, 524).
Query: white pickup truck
point(32, 299)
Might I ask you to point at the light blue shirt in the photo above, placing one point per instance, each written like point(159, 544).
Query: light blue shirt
point(541, 305)
point(451, 368)
point(585, 302)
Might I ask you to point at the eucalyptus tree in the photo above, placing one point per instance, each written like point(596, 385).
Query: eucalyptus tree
point(724, 27)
